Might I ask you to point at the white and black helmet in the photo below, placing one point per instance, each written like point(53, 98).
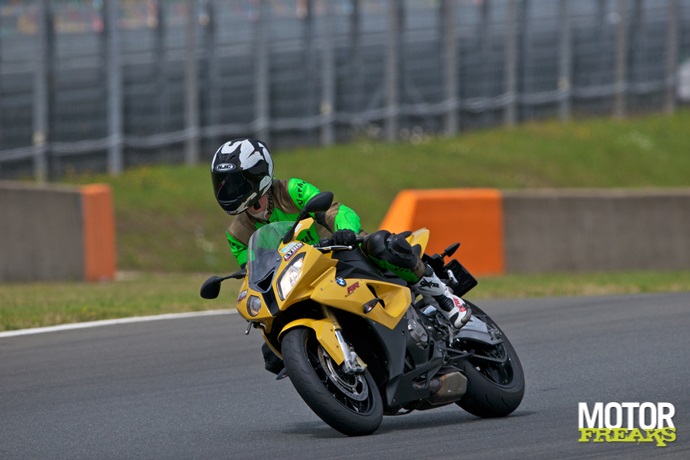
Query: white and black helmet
point(242, 172)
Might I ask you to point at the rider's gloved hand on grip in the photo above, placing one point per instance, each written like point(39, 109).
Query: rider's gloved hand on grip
point(344, 238)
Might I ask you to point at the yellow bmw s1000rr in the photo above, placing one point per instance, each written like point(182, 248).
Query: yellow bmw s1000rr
point(355, 343)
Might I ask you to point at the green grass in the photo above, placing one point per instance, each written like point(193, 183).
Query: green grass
point(141, 294)
point(168, 220)
point(169, 223)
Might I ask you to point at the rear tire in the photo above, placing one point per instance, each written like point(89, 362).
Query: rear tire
point(348, 403)
point(493, 389)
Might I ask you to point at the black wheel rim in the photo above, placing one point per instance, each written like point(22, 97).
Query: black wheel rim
point(499, 373)
point(491, 361)
point(352, 391)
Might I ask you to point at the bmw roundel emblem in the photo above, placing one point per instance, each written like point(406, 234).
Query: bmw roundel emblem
point(340, 281)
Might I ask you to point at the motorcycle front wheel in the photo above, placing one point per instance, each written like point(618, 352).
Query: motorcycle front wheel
point(348, 403)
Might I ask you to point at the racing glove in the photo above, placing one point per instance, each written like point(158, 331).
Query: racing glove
point(344, 237)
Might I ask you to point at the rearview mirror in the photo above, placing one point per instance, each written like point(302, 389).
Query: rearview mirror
point(319, 203)
point(211, 287)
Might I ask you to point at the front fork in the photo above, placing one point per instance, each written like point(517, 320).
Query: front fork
point(352, 364)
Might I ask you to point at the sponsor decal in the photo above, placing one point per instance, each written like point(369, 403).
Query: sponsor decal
point(627, 422)
point(427, 283)
point(352, 288)
point(291, 249)
point(242, 296)
point(341, 282)
point(300, 194)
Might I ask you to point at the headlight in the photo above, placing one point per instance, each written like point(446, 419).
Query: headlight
point(289, 277)
point(253, 305)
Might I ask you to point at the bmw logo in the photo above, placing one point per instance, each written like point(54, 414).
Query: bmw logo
point(340, 281)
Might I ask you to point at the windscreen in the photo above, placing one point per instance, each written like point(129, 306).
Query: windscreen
point(263, 256)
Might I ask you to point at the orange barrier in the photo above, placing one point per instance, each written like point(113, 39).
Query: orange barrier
point(99, 232)
point(474, 217)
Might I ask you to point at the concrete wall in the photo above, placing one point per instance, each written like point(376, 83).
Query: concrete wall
point(552, 230)
point(50, 233)
point(593, 230)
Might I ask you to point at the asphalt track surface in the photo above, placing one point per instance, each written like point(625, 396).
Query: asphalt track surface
point(196, 388)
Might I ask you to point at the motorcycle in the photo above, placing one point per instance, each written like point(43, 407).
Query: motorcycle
point(355, 344)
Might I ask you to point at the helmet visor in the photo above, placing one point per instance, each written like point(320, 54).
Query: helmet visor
point(232, 190)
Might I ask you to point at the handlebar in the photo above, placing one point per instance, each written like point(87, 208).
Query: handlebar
point(325, 244)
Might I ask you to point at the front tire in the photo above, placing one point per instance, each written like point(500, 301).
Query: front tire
point(493, 389)
point(348, 403)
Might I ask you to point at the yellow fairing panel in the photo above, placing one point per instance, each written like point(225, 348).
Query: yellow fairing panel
point(357, 291)
point(420, 237)
point(325, 334)
point(264, 315)
point(315, 265)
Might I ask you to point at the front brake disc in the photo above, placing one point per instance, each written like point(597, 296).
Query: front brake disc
point(353, 386)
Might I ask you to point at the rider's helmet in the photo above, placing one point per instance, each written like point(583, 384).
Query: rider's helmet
point(242, 172)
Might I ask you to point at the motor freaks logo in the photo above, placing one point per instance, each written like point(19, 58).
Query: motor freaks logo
point(627, 422)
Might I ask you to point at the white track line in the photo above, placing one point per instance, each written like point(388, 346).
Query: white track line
point(110, 322)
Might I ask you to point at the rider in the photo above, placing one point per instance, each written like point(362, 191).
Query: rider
point(244, 186)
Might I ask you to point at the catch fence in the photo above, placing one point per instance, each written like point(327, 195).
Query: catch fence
point(106, 85)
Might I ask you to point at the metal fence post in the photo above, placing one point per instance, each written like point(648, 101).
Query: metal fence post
point(212, 87)
point(43, 84)
point(113, 72)
point(450, 65)
point(523, 69)
point(621, 62)
point(310, 100)
point(356, 66)
point(192, 87)
point(564, 62)
point(161, 68)
point(393, 69)
point(509, 116)
point(327, 77)
point(485, 44)
point(636, 45)
point(671, 57)
point(261, 79)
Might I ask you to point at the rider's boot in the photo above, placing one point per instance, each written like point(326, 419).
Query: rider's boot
point(452, 306)
point(273, 363)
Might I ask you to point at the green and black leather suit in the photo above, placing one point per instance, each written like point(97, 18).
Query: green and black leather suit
point(286, 199)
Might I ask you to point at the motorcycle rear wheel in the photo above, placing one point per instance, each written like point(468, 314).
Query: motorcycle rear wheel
point(350, 404)
point(493, 389)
